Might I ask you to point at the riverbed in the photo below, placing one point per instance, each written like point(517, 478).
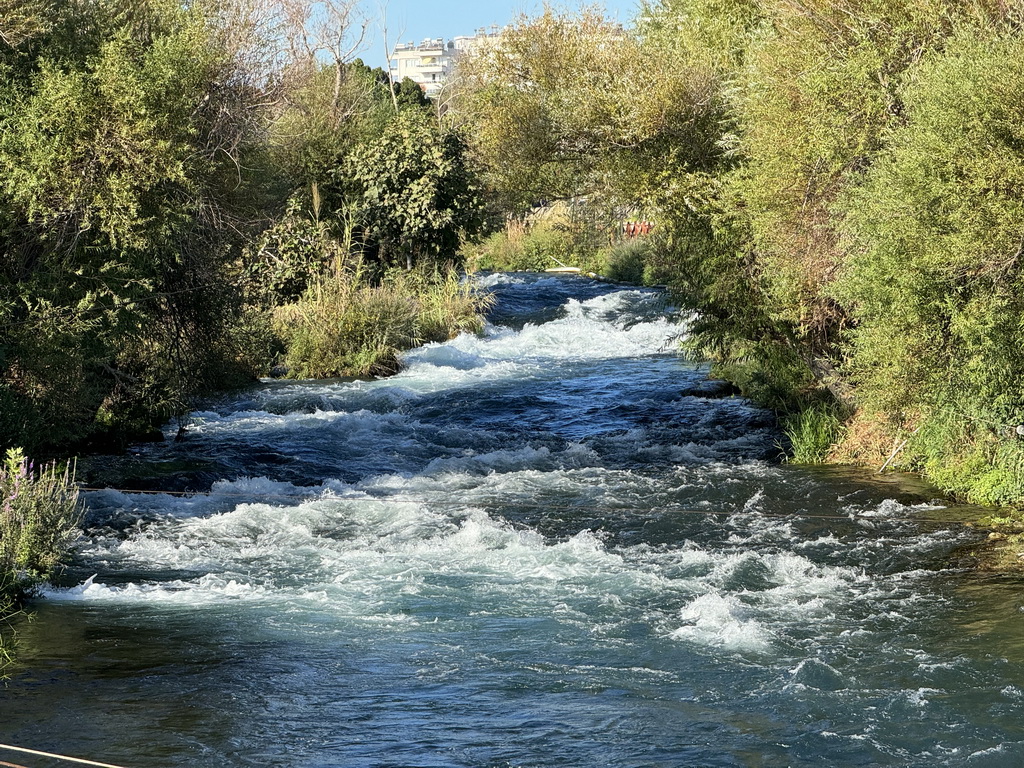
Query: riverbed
point(554, 544)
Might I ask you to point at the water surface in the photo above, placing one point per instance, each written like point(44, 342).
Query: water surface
point(557, 544)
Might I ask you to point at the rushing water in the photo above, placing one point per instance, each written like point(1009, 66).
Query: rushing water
point(558, 544)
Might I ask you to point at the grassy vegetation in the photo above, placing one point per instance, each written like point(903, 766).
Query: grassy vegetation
point(627, 262)
point(813, 434)
point(522, 248)
point(39, 517)
point(345, 325)
point(552, 242)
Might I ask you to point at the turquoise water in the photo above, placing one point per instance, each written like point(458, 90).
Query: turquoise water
point(557, 544)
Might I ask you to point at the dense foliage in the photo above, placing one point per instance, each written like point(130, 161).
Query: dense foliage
point(170, 173)
point(836, 187)
point(934, 238)
point(571, 105)
point(120, 130)
point(417, 194)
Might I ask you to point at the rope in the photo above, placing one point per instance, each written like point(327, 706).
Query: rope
point(453, 504)
point(37, 753)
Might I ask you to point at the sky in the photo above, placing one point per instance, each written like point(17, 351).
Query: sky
point(413, 20)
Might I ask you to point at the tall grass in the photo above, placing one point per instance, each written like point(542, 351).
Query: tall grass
point(626, 261)
point(812, 434)
point(522, 247)
point(446, 305)
point(344, 325)
point(39, 517)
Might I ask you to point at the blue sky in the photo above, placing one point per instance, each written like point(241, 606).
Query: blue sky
point(415, 20)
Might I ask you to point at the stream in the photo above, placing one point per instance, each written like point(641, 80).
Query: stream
point(555, 544)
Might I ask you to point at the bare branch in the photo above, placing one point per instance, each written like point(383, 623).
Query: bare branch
point(327, 32)
point(20, 20)
point(383, 12)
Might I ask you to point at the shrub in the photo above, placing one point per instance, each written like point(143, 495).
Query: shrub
point(418, 195)
point(39, 517)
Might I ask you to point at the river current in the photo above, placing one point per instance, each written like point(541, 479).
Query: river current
point(556, 544)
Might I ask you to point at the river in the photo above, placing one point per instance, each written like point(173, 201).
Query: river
point(557, 544)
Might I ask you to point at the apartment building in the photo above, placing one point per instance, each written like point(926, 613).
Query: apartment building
point(430, 62)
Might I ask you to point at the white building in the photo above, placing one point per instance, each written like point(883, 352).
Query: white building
point(429, 63)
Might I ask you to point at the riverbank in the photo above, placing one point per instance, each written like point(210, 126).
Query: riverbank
point(344, 326)
point(835, 192)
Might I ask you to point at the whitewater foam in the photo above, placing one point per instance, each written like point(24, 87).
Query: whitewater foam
point(723, 622)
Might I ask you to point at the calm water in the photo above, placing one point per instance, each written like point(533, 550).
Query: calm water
point(555, 545)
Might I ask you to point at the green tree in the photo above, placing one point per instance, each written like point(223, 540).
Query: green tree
point(409, 94)
point(122, 131)
point(568, 105)
point(812, 90)
point(934, 277)
point(314, 127)
point(417, 193)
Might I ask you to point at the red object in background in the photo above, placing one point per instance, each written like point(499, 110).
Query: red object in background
point(637, 228)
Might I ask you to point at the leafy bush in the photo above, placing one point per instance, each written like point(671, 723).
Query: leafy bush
point(39, 517)
point(302, 244)
point(417, 193)
point(860, 236)
point(125, 189)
